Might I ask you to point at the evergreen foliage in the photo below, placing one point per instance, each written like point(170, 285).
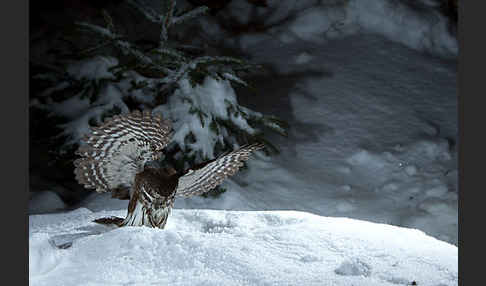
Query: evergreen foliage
point(117, 75)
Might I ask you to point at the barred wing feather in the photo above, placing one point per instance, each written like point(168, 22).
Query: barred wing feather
point(212, 174)
point(116, 151)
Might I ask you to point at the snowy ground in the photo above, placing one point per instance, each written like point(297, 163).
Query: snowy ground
point(372, 107)
point(373, 116)
point(204, 247)
point(372, 111)
point(373, 136)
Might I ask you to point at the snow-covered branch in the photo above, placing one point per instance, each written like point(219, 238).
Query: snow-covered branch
point(145, 10)
point(198, 11)
point(193, 91)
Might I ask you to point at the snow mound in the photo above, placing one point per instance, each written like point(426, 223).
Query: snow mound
point(416, 24)
point(45, 202)
point(207, 247)
point(412, 24)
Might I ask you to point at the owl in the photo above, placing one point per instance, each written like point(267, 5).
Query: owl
point(114, 158)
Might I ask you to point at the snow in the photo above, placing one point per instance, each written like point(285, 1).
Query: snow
point(417, 24)
point(208, 247)
point(373, 132)
point(419, 27)
point(95, 68)
point(303, 58)
point(45, 202)
point(193, 109)
point(80, 111)
point(372, 105)
point(373, 127)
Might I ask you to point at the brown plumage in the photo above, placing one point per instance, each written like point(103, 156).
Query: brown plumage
point(114, 159)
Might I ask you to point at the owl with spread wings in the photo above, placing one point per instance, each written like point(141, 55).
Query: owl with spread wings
point(114, 158)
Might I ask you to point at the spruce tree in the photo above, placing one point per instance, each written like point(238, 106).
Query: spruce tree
point(116, 75)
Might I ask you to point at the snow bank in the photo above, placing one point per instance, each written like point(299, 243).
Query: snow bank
point(381, 187)
point(235, 248)
point(416, 24)
point(45, 202)
point(373, 131)
point(411, 23)
point(43, 254)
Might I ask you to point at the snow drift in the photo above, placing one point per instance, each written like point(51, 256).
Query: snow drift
point(204, 247)
point(418, 25)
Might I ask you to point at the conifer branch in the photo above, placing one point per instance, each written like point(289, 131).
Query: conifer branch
point(198, 11)
point(148, 12)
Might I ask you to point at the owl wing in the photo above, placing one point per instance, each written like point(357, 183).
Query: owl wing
point(211, 174)
point(117, 150)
